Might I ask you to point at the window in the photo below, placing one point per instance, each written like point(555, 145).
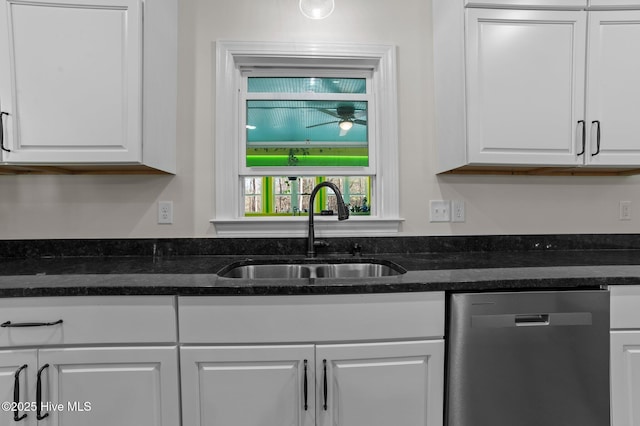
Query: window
point(290, 115)
point(253, 195)
point(315, 118)
point(289, 196)
point(309, 119)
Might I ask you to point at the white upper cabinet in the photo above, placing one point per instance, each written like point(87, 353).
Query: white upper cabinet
point(525, 75)
point(72, 83)
point(74, 87)
point(535, 90)
point(613, 89)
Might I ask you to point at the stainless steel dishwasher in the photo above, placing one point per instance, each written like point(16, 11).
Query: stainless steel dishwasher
point(528, 359)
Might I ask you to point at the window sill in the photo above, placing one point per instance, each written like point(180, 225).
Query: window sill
point(261, 227)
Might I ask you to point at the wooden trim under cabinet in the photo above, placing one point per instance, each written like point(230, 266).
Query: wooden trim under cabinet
point(106, 169)
point(542, 171)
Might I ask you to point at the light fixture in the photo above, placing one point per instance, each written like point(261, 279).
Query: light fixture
point(316, 9)
point(346, 125)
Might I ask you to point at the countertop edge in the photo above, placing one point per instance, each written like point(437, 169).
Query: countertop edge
point(491, 279)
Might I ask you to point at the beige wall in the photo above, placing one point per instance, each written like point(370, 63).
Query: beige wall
point(125, 206)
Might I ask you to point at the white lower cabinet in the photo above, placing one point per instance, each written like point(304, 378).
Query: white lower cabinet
point(97, 386)
point(380, 384)
point(625, 378)
point(368, 384)
point(330, 378)
point(318, 360)
point(111, 386)
point(625, 355)
point(115, 379)
point(248, 385)
point(17, 385)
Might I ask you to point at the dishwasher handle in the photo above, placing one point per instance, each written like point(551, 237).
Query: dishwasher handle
point(532, 320)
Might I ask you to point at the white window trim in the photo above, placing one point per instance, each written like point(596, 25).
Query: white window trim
point(230, 57)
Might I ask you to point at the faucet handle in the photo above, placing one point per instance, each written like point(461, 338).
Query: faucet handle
point(356, 250)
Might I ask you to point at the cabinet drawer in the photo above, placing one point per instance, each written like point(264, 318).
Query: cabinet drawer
point(88, 320)
point(316, 318)
point(625, 306)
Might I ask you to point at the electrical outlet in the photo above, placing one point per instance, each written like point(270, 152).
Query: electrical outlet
point(439, 211)
point(457, 211)
point(625, 210)
point(165, 212)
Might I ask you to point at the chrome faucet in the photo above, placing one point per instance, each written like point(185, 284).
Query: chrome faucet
point(343, 213)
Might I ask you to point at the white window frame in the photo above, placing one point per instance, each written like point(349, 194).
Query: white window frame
point(231, 58)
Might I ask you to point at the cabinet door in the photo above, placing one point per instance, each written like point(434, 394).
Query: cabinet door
point(10, 362)
point(613, 91)
point(111, 386)
point(625, 378)
point(380, 384)
point(525, 86)
point(248, 385)
point(70, 78)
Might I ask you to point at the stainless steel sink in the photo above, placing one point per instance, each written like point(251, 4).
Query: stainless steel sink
point(284, 271)
point(355, 270)
point(359, 269)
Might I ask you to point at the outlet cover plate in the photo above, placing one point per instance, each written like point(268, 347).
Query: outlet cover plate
point(625, 210)
point(457, 211)
point(165, 212)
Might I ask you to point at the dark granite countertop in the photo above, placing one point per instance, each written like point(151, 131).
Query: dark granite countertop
point(196, 275)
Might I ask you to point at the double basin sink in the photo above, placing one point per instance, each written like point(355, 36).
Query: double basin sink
point(352, 268)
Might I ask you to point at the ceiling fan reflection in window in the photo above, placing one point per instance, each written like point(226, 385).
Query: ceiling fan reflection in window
point(347, 116)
